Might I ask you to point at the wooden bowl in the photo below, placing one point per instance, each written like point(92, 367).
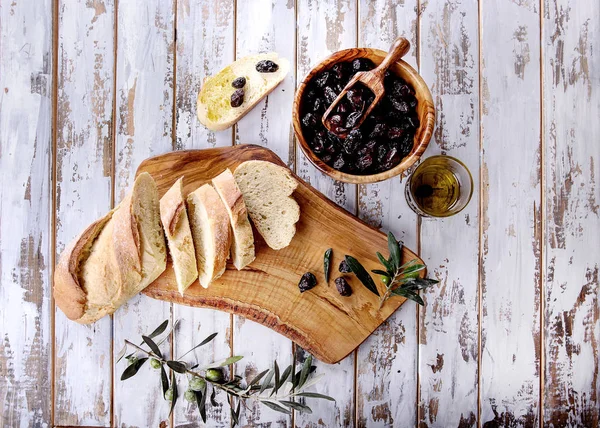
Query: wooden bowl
point(425, 111)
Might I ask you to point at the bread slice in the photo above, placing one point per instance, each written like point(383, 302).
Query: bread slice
point(179, 236)
point(114, 258)
point(242, 249)
point(214, 101)
point(210, 231)
point(267, 190)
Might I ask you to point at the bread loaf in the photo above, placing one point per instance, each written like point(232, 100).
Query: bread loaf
point(242, 248)
point(179, 236)
point(267, 190)
point(115, 258)
point(214, 101)
point(210, 231)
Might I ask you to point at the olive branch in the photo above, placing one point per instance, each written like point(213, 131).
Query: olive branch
point(399, 279)
point(278, 390)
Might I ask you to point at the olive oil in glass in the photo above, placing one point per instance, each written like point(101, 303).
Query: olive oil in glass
point(440, 186)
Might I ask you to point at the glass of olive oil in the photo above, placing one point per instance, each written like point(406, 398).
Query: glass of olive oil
point(440, 186)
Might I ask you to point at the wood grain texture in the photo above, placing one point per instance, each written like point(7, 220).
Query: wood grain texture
point(144, 108)
point(448, 331)
point(386, 382)
point(324, 27)
point(425, 112)
point(571, 88)
point(511, 213)
point(324, 323)
point(83, 364)
point(205, 44)
point(25, 213)
point(265, 26)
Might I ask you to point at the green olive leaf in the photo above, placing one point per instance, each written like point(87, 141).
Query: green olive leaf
point(164, 379)
point(395, 251)
point(266, 383)
point(276, 407)
point(257, 378)
point(296, 406)
point(227, 362)
point(305, 371)
point(286, 374)
point(315, 395)
point(204, 342)
point(327, 263)
point(381, 272)
point(277, 379)
point(177, 366)
point(132, 369)
point(362, 274)
point(385, 263)
point(121, 353)
point(174, 387)
point(152, 346)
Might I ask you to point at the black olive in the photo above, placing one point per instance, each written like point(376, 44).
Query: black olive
point(266, 66)
point(344, 268)
point(307, 282)
point(240, 82)
point(343, 287)
point(237, 98)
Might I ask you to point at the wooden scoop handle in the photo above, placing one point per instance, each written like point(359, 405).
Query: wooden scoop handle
point(398, 49)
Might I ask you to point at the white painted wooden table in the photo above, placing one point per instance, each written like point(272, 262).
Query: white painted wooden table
point(510, 337)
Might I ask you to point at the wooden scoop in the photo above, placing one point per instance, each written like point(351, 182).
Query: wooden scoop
point(371, 79)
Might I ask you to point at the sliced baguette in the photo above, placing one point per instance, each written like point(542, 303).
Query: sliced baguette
point(214, 101)
point(114, 258)
point(179, 236)
point(242, 249)
point(210, 231)
point(267, 190)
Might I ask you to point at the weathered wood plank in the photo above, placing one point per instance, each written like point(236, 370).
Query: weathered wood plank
point(387, 361)
point(83, 193)
point(205, 44)
point(144, 108)
point(571, 66)
point(264, 26)
point(511, 213)
point(25, 207)
point(324, 27)
point(448, 331)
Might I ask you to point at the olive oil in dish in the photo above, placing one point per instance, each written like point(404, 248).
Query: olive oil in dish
point(440, 187)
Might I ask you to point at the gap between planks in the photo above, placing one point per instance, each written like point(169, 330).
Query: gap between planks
point(542, 237)
point(53, 175)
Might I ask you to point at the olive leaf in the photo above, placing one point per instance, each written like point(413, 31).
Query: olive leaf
point(395, 251)
point(257, 378)
point(277, 379)
point(204, 342)
point(276, 407)
point(315, 395)
point(152, 346)
point(164, 380)
point(159, 329)
point(305, 371)
point(286, 374)
point(362, 274)
point(132, 369)
point(267, 381)
point(174, 388)
point(227, 362)
point(235, 414)
point(121, 353)
point(296, 406)
point(177, 366)
point(201, 401)
point(327, 263)
point(380, 272)
point(385, 263)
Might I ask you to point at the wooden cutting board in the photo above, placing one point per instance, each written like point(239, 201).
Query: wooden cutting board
point(324, 323)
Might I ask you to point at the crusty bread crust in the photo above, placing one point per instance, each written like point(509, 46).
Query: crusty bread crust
point(216, 223)
point(179, 236)
point(120, 251)
point(241, 67)
point(242, 250)
point(68, 292)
